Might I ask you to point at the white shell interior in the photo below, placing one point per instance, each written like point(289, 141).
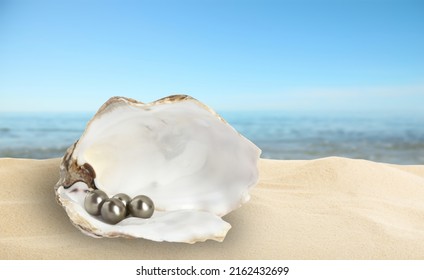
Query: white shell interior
point(194, 166)
point(187, 226)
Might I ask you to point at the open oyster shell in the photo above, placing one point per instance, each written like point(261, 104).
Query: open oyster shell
point(176, 150)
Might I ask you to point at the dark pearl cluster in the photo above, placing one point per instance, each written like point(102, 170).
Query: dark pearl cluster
point(115, 209)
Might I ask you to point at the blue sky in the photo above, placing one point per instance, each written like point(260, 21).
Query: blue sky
point(266, 55)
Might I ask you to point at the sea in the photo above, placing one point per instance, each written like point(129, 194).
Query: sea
point(397, 139)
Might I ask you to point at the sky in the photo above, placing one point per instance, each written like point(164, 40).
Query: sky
point(232, 55)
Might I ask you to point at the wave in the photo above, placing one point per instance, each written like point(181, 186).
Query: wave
point(35, 153)
point(279, 136)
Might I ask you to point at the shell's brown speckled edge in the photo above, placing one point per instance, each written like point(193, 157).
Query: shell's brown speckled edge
point(113, 101)
point(71, 172)
point(63, 170)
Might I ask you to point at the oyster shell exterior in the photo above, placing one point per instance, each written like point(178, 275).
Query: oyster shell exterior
point(177, 151)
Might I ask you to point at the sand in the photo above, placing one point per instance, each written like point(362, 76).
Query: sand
point(330, 208)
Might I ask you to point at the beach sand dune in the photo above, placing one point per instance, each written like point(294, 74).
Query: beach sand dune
point(330, 208)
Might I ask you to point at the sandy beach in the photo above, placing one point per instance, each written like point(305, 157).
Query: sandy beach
point(330, 208)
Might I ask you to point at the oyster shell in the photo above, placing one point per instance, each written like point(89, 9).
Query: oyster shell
point(176, 150)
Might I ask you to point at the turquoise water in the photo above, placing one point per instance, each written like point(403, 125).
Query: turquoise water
point(393, 139)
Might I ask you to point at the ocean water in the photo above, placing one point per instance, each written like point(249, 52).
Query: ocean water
point(392, 139)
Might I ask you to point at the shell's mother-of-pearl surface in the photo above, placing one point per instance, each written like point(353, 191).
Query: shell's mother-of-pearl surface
point(193, 165)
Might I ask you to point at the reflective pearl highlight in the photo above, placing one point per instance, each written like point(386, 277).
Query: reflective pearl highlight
point(118, 207)
point(141, 206)
point(125, 199)
point(113, 211)
point(94, 201)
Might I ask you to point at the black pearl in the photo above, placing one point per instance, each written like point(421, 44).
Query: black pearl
point(125, 199)
point(94, 201)
point(113, 211)
point(141, 206)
